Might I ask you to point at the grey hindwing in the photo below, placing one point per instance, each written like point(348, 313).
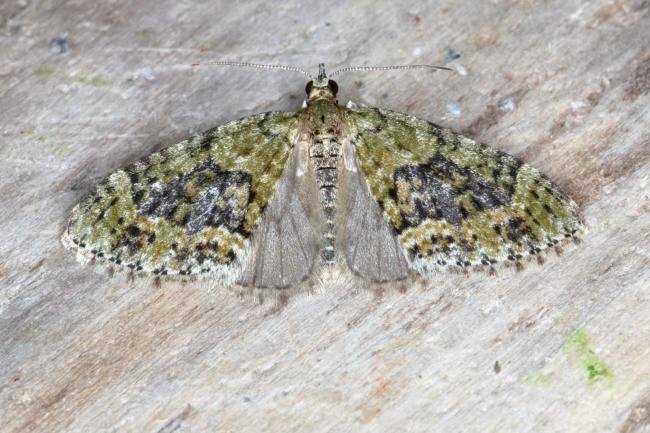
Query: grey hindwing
point(285, 243)
point(368, 241)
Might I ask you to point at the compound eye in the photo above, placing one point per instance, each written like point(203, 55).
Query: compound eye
point(333, 86)
point(308, 87)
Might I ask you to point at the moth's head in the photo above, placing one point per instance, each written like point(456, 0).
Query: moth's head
point(322, 87)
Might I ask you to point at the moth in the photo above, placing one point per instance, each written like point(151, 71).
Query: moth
point(271, 200)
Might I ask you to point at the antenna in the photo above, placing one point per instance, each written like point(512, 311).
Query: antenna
point(254, 65)
point(321, 67)
point(386, 68)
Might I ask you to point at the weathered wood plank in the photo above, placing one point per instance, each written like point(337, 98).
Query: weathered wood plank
point(563, 85)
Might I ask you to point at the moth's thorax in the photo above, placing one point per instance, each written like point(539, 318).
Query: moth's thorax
point(323, 117)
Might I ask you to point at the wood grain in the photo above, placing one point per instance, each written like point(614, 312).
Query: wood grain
point(559, 347)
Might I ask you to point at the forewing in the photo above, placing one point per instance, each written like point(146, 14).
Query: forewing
point(192, 207)
point(453, 201)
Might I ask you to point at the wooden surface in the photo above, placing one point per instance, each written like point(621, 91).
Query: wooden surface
point(562, 347)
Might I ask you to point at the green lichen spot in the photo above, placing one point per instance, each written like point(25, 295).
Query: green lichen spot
point(578, 346)
point(43, 72)
point(543, 379)
point(93, 81)
point(30, 133)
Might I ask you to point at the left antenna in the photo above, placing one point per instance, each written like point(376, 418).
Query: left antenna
point(253, 65)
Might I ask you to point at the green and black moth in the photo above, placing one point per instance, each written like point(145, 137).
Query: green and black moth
point(271, 200)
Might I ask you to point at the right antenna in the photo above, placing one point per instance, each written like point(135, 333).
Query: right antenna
point(385, 68)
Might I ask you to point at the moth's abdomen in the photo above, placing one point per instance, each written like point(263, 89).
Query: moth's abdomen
point(325, 155)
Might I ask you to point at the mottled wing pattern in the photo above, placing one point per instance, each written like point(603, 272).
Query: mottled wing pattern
point(192, 207)
point(454, 202)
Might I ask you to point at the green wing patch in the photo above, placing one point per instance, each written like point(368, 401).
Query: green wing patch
point(192, 207)
point(453, 201)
